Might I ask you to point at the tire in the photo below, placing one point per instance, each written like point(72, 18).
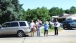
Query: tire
point(69, 27)
point(20, 34)
point(64, 27)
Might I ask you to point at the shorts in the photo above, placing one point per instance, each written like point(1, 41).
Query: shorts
point(33, 30)
point(45, 32)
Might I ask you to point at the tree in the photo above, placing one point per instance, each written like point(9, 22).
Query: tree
point(10, 10)
point(38, 13)
point(67, 11)
point(43, 13)
point(55, 11)
point(72, 10)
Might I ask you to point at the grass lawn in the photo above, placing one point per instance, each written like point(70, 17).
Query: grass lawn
point(50, 30)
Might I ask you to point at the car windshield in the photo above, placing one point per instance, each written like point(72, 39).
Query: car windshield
point(74, 20)
point(70, 21)
point(67, 21)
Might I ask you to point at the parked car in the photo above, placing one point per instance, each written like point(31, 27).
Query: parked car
point(68, 24)
point(21, 28)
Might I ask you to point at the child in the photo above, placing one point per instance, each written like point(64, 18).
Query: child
point(46, 28)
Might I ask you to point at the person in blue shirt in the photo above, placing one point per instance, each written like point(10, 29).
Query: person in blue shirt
point(46, 28)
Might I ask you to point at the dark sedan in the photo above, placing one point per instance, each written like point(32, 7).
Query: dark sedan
point(68, 24)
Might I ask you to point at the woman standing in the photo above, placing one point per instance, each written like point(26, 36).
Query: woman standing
point(32, 27)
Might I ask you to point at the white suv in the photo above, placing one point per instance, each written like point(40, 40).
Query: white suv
point(21, 28)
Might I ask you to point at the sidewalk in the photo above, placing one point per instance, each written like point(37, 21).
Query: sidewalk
point(65, 36)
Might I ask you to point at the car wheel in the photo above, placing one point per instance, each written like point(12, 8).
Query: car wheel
point(64, 27)
point(20, 34)
point(69, 27)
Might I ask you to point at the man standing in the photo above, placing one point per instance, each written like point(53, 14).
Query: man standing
point(38, 24)
point(56, 25)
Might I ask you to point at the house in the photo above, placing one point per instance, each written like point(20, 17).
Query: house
point(60, 16)
point(68, 17)
point(72, 17)
point(65, 16)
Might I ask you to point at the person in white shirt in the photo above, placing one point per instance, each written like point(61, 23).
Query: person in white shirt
point(32, 27)
point(56, 25)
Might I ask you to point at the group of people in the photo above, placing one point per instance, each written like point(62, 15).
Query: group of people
point(35, 27)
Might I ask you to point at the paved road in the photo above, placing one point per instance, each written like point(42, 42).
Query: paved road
point(65, 36)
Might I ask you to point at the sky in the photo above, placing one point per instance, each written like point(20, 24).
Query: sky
point(32, 4)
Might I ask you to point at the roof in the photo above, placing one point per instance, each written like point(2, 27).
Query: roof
point(16, 21)
point(55, 16)
point(64, 16)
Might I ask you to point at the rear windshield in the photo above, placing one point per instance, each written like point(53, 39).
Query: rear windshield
point(22, 23)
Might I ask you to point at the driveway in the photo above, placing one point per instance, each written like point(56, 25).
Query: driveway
point(65, 36)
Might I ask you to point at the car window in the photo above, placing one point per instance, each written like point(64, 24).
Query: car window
point(6, 25)
point(22, 23)
point(14, 24)
point(74, 20)
point(70, 21)
point(64, 22)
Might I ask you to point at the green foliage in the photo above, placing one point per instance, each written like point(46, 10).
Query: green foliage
point(72, 10)
point(38, 13)
point(67, 11)
point(10, 10)
point(44, 13)
point(55, 11)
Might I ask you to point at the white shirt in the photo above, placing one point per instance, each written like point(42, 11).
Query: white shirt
point(37, 24)
point(32, 25)
point(56, 24)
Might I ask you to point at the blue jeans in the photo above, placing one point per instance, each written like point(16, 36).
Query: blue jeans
point(38, 32)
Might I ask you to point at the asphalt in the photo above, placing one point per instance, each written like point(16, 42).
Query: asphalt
point(65, 36)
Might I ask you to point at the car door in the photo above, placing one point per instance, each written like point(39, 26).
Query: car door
point(13, 27)
point(4, 29)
